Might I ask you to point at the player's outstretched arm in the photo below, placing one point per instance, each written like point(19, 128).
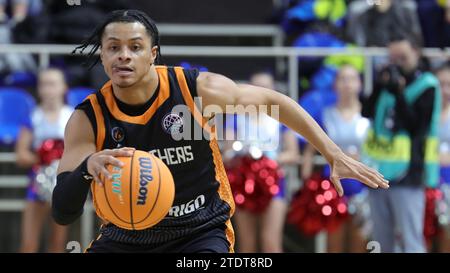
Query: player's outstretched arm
point(219, 90)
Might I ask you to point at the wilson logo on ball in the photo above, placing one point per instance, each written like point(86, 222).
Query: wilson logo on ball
point(145, 176)
point(138, 195)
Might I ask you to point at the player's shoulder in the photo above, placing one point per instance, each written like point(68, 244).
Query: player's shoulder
point(84, 112)
point(87, 104)
point(206, 79)
point(191, 74)
point(78, 130)
point(78, 124)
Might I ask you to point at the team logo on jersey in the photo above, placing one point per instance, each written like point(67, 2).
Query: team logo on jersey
point(118, 134)
point(172, 123)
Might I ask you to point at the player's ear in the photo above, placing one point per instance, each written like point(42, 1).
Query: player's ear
point(101, 54)
point(154, 53)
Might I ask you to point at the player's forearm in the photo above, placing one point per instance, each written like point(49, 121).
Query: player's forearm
point(296, 118)
point(70, 194)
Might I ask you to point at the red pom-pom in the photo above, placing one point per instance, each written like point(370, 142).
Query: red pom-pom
point(431, 223)
point(317, 207)
point(254, 182)
point(50, 150)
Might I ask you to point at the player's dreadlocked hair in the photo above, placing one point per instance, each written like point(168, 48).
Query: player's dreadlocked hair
point(127, 16)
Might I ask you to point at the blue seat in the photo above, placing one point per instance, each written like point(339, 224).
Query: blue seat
point(303, 11)
point(309, 65)
point(20, 79)
point(187, 65)
point(315, 101)
point(76, 95)
point(324, 78)
point(318, 39)
point(16, 106)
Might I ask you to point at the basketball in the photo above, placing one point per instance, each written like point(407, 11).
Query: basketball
point(138, 195)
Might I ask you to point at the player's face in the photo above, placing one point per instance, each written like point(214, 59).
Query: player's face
point(126, 53)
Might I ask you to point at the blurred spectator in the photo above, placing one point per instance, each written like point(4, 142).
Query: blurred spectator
point(347, 128)
point(14, 61)
point(434, 18)
point(66, 26)
point(60, 23)
point(446, 24)
point(19, 10)
point(39, 147)
point(309, 11)
point(443, 74)
point(402, 145)
point(375, 25)
point(309, 65)
point(57, 22)
point(260, 226)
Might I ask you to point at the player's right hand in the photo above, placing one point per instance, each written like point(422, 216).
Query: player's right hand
point(96, 164)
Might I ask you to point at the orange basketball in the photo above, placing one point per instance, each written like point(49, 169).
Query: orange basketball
point(139, 194)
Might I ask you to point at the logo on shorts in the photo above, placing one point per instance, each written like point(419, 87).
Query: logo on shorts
point(118, 134)
point(172, 123)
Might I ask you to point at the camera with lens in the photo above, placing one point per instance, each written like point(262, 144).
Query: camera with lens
point(391, 79)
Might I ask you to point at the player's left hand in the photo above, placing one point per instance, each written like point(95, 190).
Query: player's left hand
point(343, 166)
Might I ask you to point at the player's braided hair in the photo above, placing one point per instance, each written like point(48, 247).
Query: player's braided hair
point(127, 16)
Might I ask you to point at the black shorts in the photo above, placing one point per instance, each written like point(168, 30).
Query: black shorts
point(211, 241)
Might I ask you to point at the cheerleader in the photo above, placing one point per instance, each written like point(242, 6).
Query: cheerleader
point(259, 220)
point(347, 128)
point(39, 147)
point(443, 242)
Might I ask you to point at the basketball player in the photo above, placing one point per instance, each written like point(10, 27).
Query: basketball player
point(134, 109)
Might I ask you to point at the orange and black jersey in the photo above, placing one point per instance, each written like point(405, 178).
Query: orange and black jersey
point(168, 126)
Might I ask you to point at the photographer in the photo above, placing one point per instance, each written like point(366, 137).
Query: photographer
point(402, 144)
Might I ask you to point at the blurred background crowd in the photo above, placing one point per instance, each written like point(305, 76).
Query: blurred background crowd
point(390, 109)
